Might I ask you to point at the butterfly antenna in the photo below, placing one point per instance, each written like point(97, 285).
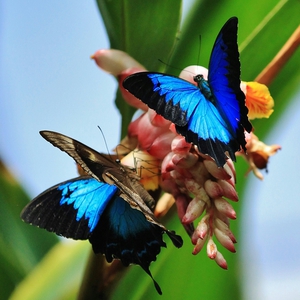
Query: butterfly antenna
point(167, 64)
point(199, 51)
point(108, 152)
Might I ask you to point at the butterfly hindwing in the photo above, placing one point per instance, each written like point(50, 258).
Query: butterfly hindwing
point(211, 115)
point(125, 233)
point(72, 208)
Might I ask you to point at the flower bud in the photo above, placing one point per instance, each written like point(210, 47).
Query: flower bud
point(194, 210)
point(224, 207)
point(228, 190)
point(211, 249)
point(199, 245)
point(224, 240)
point(220, 260)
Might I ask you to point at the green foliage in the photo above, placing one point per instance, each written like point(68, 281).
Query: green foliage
point(58, 274)
point(21, 246)
point(148, 30)
point(144, 29)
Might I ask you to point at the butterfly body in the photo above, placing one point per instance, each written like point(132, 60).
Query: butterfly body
point(108, 206)
point(204, 88)
point(211, 115)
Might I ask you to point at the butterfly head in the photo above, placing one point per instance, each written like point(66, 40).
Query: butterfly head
point(198, 78)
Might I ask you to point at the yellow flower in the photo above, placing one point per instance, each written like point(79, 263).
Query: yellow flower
point(258, 100)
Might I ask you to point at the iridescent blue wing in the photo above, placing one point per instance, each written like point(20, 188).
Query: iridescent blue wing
point(84, 208)
point(198, 111)
point(224, 82)
point(72, 208)
point(125, 233)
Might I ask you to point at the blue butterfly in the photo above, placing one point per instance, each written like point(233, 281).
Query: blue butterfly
point(108, 206)
point(211, 115)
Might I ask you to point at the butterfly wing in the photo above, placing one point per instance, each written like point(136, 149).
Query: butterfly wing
point(173, 98)
point(224, 82)
point(125, 233)
point(101, 167)
point(92, 162)
point(212, 116)
point(72, 208)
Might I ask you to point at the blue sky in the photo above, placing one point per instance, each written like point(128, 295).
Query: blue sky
point(48, 81)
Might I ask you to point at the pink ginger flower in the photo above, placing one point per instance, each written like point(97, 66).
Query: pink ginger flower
point(199, 188)
point(191, 179)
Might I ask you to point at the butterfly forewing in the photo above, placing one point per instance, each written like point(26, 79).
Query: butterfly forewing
point(224, 80)
point(71, 209)
point(130, 236)
point(91, 161)
point(99, 166)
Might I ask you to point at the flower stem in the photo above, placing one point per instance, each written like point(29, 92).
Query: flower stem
point(99, 278)
point(274, 67)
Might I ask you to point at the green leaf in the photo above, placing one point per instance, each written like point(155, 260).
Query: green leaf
point(21, 245)
point(208, 16)
point(260, 48)
point(260, 45)
point(58, 274)
point(144, 29)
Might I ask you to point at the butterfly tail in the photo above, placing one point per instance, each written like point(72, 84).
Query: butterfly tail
point(177, 242)
point(147, 270)
point(176, 239)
